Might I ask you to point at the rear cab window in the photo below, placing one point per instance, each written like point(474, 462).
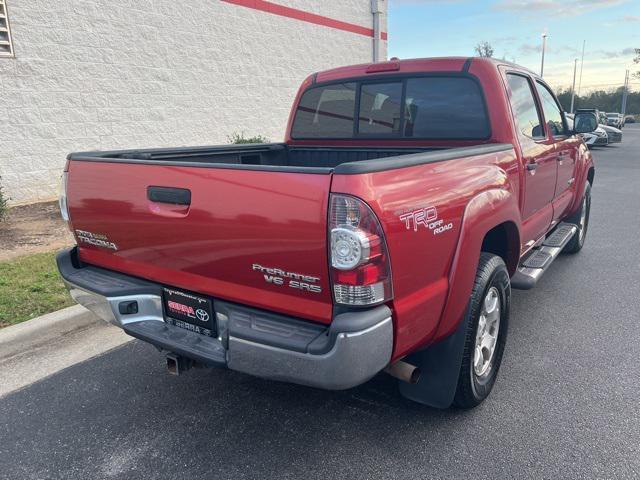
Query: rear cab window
point(425, 107)
point(379, 108)
point(326, 112)
point(445, 108)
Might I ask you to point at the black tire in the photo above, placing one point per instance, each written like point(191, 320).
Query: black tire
point(472, 388)
point(577, 242)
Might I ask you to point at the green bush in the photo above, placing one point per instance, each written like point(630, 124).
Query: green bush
point(3, 204)
point(239, 138)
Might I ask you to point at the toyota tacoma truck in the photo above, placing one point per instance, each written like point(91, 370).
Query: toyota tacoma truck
point(384, 234)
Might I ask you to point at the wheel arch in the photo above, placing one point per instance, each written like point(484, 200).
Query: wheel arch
point(491, 219)
point(504, 240)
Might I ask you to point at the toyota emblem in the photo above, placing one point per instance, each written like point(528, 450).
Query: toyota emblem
point(202, 315)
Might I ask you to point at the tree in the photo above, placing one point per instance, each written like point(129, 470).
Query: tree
point(605, 101)
point(637, 61)
point(484, 49)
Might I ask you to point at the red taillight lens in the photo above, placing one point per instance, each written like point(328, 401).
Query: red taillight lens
point(360, 271)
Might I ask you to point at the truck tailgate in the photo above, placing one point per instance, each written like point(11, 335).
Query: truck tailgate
point(240, 232)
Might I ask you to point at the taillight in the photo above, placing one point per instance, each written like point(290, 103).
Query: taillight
point(360, 272)
point(64, 207)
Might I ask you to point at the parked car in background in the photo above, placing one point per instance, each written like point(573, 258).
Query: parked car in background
point(603, 119)
point(601, 116)
point(614, 135)
point(597, 138)
point(615, 120)
point(630, 119)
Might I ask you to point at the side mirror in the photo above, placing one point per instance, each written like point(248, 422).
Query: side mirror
point(585, 122)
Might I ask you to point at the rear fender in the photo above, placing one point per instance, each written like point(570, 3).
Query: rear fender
point(440, 362)
point(484, 212)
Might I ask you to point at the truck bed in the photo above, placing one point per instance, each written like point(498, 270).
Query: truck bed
point(204, 218)
point(287, 158)
point(251, 155)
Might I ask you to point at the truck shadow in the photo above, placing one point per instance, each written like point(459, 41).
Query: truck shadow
point(119, 410)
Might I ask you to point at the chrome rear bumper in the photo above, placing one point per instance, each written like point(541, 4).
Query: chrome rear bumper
point(355, 347)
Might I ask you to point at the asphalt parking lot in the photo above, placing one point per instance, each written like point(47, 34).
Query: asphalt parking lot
point(566, 404)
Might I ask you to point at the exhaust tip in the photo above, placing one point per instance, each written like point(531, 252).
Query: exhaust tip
point(404, 371)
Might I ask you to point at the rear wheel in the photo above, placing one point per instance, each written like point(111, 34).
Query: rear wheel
point(487, 321)
point(581, 219)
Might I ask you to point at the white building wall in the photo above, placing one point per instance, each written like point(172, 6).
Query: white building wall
point(111, 74)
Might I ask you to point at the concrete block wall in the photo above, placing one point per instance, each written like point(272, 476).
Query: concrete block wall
point(110, 74)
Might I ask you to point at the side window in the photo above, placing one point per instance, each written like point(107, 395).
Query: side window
point(524, 108)
point(380, 108)
point(551, 109)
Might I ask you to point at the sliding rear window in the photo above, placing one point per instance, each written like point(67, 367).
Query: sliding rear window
point(426, 107)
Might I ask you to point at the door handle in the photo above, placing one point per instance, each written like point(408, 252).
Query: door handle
point(532, 166)
point(174, 196)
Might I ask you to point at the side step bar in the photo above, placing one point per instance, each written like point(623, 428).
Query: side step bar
point(532, 268)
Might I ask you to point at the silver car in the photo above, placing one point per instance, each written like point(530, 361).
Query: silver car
point(597, 138)
point(615, 120)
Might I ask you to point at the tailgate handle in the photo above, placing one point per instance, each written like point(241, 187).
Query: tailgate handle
point(174, 196)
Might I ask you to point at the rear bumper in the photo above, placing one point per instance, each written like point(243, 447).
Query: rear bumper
point(355, 347)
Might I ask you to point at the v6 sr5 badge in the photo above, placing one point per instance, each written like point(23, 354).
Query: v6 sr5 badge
point(427, 218)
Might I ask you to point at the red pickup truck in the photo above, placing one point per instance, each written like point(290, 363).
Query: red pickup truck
point(384, 233)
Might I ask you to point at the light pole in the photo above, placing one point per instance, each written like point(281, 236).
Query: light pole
point(573, 88)
point(584, 42)
point(625, 92)
point(544, 46)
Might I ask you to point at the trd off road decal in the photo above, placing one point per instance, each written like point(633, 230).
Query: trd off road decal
point(299, 281)
point(97, 239)
point(426, 217)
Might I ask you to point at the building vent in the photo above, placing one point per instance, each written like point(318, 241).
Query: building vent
point(6, 47)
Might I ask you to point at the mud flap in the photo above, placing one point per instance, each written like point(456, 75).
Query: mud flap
point(440, 367)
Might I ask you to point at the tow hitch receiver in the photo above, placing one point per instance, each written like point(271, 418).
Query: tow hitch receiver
point(177, 365)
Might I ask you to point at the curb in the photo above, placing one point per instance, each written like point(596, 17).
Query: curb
point(44, 329)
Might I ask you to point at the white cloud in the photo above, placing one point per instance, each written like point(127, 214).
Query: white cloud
point(536, 48)
point(553, 7)
point(625, 52)
point(529, 48)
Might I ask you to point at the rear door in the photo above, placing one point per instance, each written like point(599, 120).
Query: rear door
point(565, 149)
point(249, 236)
point(538, 157)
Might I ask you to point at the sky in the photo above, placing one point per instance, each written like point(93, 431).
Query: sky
point(611, 28)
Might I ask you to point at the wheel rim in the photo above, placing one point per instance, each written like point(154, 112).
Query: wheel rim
point(487, 332)
point(583, 219)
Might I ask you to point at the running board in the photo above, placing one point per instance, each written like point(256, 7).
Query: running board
point(532, 267)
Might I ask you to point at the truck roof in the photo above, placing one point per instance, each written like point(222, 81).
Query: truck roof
point(414, 65)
